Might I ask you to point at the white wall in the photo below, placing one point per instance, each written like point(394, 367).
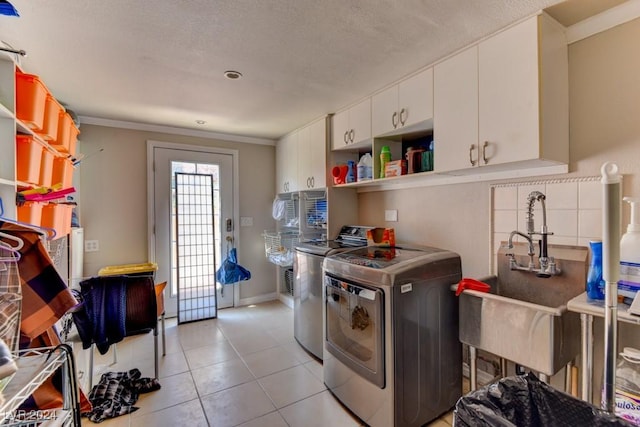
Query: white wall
point(113, 199)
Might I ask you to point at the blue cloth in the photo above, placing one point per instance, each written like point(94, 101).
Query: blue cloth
point(230, 272)
point(100, 317)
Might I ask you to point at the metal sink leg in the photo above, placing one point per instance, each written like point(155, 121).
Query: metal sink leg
point(473, 368)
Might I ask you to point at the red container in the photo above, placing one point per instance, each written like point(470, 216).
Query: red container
point(52, 112)
point(29, 157)
point(62, 172)
point(31, 95)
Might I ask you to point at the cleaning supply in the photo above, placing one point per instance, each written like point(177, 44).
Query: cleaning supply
point(385, 156)
point(351, 171)
point(629, 283)
point(627, 392)
point(595, 283)
point(364, 167)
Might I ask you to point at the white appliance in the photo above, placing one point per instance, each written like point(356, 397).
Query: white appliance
point(76, 257)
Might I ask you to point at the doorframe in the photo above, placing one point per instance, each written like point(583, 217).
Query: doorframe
point(151, 221)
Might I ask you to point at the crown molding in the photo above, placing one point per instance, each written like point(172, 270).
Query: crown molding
point(606, 20)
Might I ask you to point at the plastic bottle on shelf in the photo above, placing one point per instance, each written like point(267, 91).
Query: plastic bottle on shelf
point(629, 283)
point(385, 156)
point(595, 283)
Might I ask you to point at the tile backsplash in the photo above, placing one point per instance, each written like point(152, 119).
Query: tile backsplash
point(574, 211)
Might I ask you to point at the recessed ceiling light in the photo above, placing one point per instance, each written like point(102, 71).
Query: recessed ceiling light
point(232, 75)
point(200, 122)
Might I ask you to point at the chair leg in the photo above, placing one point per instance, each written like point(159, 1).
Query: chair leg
point(91, 367)
point(155, 349)
point(164, 338)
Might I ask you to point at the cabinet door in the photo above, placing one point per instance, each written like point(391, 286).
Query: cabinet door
point(360, 121)
point(287, 163)
point(384, 111)
point(317, 154)
point(508, 94)
point(304, 158)
point(340, 130)
point(415, 97)
point(455, 116)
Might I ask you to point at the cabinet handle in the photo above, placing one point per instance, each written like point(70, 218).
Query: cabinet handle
point(346, 137)
point(471, 148)
point(313, 181)
point(484, 154)
point(394, 119)
point(403, 116)
point(351, 134)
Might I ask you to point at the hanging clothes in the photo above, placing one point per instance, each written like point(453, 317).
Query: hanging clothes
point(45, 295)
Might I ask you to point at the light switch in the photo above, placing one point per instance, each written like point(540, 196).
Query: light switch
point(246, 221)
point(391, 215)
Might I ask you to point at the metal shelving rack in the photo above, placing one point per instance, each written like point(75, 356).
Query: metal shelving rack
point(34, 367)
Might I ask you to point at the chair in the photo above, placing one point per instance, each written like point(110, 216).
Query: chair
point(160, 313)
point(115, 307)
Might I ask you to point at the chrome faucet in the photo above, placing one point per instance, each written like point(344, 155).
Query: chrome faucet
point(547, 264)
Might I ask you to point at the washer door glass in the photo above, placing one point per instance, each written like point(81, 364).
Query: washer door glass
point(354, 327)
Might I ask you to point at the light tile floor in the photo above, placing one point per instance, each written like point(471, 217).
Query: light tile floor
point(242, 369)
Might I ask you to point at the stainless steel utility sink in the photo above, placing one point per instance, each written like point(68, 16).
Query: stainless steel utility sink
point(524, 318)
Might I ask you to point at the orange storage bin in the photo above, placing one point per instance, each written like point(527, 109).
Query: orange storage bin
point(31, 213)
point(73, 138)
point(62, 172)
point(58, 217)
point(31, 95)
point(46, 168)
point(52, 112)
point(67, 135)
point(29, 157)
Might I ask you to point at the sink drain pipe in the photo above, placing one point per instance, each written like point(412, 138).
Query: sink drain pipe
point(610, 273)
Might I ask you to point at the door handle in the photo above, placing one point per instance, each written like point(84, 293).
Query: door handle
point(471, 148)
point(403, 116)
point(346, 137)
point(484, 154)
point(351, 133)
point(394, 119)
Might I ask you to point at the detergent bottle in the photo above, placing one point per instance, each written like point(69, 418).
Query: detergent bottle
point(385, 157)
point(629, 283)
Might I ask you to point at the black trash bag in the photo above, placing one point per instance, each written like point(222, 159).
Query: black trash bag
point(524, 400)
point(230, 272)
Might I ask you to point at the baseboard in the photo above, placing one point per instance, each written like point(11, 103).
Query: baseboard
point(258, 299)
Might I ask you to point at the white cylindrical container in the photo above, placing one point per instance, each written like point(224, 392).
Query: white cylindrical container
point(629, 283)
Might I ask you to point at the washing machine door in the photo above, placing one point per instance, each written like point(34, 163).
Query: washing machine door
point(354, 327)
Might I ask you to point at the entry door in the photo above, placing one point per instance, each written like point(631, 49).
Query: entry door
point(167, 159)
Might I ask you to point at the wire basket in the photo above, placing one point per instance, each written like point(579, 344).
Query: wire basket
point(279, 246)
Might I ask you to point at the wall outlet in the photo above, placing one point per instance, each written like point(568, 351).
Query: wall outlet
point(246, 221)
point(91, 246)
point(391, 215)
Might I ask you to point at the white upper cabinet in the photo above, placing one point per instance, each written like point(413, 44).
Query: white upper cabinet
point(351, 128)
point(405, 107)
point(287, 163)
point(508, 108)
point(455, 115)
point(312, 155)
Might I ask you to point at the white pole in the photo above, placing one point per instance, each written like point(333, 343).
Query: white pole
point(610, 274)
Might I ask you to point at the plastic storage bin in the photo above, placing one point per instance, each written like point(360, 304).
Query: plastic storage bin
point(28, 159)
point(67, 135)
point(31, 95)
point(62, 172)
point(148, 268)
point(52, 112)
point(58, 217)
point(46, 168)
point(31, 213)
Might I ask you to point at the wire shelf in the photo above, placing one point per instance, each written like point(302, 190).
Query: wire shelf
point(279, 246)
point(315, 209)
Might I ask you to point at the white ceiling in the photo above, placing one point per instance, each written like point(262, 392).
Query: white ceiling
point(161, 62)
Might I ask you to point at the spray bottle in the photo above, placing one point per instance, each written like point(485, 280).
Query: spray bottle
point(629, 283)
